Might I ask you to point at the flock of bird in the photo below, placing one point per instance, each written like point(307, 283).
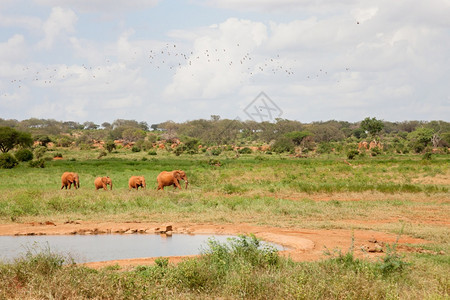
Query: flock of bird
point(168, 59)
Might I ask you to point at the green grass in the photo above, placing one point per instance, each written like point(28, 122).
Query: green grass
point(321, 192)
point(241, 268)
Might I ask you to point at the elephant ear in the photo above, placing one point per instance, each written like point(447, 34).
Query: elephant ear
point(177, 174)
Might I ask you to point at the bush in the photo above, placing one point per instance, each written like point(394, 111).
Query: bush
point(283, 144)
point(352, 153)
point(39, 151)
point(152, 152)
point(101, 154)
point(178, 150)
point(58, 154)
point(110, 146)
point(24, 155)
point(216, 151)
point(245, 150)
point(39, 163)
point(7, 161)
point(324, 148)
point(427, 156)
point(375, 151)
point(135, 149)
point(214, 162)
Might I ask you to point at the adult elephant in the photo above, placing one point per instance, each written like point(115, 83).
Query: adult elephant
point(171, 178)
point(69, 178)
point(102, 182)
point(135, 182)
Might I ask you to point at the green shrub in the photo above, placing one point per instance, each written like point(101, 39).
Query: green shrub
point(178, 150)
point(216, 151)
point(7, 161)
point(245, 150)
point(58, 154)
point(214, 162)
point(375, 151)
point(162, 262)
point(427, 156)
point(39, 163)
point(152, 152)
point(110, 146)
point(352, 153)
point(135, 149)
point(283, 144)
point(24, 155)
point(39, 151)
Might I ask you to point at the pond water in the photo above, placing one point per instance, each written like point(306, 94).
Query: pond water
point(90, 248)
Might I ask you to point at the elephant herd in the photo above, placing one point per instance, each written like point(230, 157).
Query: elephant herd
point(164, 179)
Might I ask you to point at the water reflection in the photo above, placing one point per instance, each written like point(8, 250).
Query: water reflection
point(90, 248)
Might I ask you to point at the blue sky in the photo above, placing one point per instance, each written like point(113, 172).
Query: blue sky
point(159, 60)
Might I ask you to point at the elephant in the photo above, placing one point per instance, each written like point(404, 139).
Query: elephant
point(102, 182)
point(135, 182)
point(171, 178)
point(68, 178)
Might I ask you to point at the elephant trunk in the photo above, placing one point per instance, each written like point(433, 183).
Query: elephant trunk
point(186, 184)
point(111, 185)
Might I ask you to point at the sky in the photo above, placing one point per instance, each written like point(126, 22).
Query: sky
point(160, 60)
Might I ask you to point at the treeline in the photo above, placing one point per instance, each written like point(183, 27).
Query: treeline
point(282, 135)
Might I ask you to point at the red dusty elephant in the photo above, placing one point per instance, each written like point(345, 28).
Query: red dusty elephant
point(68, 178)
point(135, 182)
point(102, 183)
point(171, 178)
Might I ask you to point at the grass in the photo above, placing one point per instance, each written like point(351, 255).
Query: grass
point(277, 191)
point(238, 269)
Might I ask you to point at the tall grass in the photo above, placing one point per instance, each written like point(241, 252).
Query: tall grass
point(238, 269)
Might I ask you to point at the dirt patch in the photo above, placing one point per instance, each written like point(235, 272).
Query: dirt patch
point(440, 179)
point(301, 244)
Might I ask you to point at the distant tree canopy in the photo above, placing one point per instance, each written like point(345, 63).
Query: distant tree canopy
point(418, 135)
point(10, 138)
point(372, 126)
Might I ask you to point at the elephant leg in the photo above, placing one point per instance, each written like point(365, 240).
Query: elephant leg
point(177, 184)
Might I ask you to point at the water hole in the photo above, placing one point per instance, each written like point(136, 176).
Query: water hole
point(92, 248)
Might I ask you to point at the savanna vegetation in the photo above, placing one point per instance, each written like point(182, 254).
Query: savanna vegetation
point(285, 175)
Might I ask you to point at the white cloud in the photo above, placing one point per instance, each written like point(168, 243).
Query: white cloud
point(218, 63)
point(101, 6)
point(60, 23)
point(15, 49)
point(27, 22)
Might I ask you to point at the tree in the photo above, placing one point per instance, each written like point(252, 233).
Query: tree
point(297, 136)
point(90, 125)
point(10, 138)
point(133, 134)
point(420, 138)
point(107, 125)
point(372, 126)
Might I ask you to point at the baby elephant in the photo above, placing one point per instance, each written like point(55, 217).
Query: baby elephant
point(171, 178)
point(102, 182)
point(68, 178)
point(135, 182)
